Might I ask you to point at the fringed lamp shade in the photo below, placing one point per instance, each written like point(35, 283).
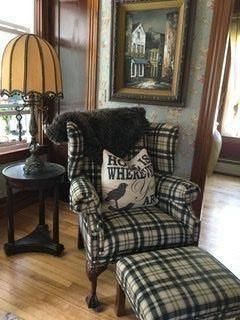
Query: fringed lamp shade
point(30, 66)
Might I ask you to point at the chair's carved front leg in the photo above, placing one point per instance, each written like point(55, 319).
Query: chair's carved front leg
point(93, 272)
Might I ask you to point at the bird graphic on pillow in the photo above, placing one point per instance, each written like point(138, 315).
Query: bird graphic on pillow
point(116, 194)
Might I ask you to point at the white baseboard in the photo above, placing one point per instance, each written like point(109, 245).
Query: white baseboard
point(228, 167)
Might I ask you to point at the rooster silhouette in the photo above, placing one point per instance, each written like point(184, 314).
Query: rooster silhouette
point(117, 193)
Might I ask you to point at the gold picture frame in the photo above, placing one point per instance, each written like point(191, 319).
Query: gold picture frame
point(151, 46)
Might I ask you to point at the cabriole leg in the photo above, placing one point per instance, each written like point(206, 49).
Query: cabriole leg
point(93, 272)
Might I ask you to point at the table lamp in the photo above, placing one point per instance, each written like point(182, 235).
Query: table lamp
point(31, 69)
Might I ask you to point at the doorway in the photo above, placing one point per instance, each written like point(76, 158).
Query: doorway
point(229, 108)
point(210, 97)
point(221, 199)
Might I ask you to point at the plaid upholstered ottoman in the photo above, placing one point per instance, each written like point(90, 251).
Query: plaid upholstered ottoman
point(181, 284)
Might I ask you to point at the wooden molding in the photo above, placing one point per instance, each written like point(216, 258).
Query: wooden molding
point(224, 88)
point(43, 18)
point(91, 94)
point(216, 53)
point(14, 155)
point(44, 23)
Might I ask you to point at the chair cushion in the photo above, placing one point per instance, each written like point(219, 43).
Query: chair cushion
point(128, 184)
point(181, 283)
point(139, 229)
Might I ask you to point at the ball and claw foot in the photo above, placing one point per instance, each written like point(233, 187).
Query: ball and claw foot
point(93, 303)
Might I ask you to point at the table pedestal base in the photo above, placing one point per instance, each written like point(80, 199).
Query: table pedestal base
point(37, 241)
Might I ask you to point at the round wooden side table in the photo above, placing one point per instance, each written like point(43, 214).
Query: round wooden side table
point(38, 240)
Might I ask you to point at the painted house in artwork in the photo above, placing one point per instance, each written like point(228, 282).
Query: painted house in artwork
point(150, 51)
point(138, 43)
point(135, 51)
point(138, 48)
point(154, 53)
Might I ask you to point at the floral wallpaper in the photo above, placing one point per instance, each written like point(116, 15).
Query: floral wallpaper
point(187, 117)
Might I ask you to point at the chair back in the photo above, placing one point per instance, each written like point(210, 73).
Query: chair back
point(160, 141)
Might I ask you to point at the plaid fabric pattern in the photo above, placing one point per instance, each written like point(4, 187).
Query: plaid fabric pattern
point(93, 173)
point(179, 190)
point(75, 151)
point(183, 213)
point(78, 163)
point(84, 199)
point(92, 233)
point(161, 145)
point(141, 229)
point(175, 196)
point(82, 194)
point(182, 283)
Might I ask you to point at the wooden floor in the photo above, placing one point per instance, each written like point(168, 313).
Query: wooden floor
point(39, 286)
point(220, 230)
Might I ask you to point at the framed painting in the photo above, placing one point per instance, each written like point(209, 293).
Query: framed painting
point(151, 46)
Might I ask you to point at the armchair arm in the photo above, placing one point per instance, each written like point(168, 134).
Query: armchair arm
point(82, 194)
point(180, 190)
point(85, 200)
point(175, 197)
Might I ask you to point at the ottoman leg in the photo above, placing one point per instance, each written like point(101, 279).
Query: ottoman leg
point(120, 301)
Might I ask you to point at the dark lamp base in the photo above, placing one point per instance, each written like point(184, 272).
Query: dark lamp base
point(33, 165)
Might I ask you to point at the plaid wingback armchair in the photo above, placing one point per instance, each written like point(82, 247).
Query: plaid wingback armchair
point(109, 235)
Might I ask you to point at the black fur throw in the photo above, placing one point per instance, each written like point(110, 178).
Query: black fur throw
point(116, 130)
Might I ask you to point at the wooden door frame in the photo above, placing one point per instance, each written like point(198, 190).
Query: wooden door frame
point(92, 60)
point(213, 76)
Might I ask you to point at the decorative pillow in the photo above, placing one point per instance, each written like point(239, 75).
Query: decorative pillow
point(127, 184)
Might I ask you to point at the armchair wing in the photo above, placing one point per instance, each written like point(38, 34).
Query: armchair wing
point(175, 197)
